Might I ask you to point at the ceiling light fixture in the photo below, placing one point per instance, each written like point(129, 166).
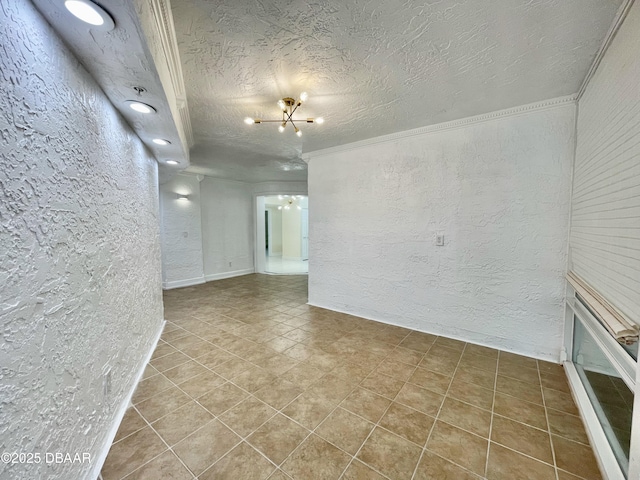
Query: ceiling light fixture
point(288, 106)
point(141, 107)
point(90, 13)
point(161, 141)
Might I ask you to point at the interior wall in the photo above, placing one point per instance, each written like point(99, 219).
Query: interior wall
point(227, 226)
point(276, 231)
point(497, 189)
point(80, 271)
point(182, 255)
point(291, 234)
point(605, 220)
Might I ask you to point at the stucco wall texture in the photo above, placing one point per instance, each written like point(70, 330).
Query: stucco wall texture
point(80, 279)
point(498, 191)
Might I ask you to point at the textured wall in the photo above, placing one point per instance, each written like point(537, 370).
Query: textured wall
point(499, 192)
point(182, 262)
point(605, 220)
point(80, 284)
point(227, 227)
point(291, 234)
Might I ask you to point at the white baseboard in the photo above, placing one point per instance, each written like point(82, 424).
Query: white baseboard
point(122, 409)
point(497, 343)
point(298, 259)
point(223, 275)
point(183, 283)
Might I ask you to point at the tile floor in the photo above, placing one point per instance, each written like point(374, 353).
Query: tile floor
point(249, 382)
point(278, 265)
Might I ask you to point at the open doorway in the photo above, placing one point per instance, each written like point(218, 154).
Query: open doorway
point(283, 237)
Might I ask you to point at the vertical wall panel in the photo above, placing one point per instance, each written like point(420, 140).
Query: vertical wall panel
point(605, 224)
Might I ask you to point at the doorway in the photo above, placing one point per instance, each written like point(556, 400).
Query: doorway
point(283, 235)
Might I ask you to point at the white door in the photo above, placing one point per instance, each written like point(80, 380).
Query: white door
point(304, 228)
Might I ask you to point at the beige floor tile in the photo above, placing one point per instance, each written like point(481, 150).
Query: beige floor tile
point(243, 462)
point(523, 438)
point(507, 358)
point(417, 343)
point(567, 426)
point(149, 372)
point(279, 475)
point(333, 388)
point(309, 409)
point(131, 453)
point(390, 454)
point(394, 369)
point(477, 376)
point(165, 466)
point(201, 384)
point(559, 401)
point(531, 392)
point(247, 416)
point(382, 385)
point(562, 475)
point(162, 404)
point(150, 387)
point(182, 422)
point(303, 374)
point(466, 416)
point(470, 393)
point(436, 382)
point(131, 422)
point(505, 464)
point(556, 382)
point(278, 394)
point(222, 398)
point(518, 372)
point(433, 467)
point(575, 458)
point(520, 410)
point(405, 355)
point(254, 379)
point(483, 362)
point(278, 438)
point(198, 349)
point(232, 368)
point(458, 446)
point(366, 404)
point(359, 471)
point(411, 424)
point(481, 350)
point(450, 343)
point(419, 398)
point(345, 430)
point(205, 446)
point(161, 350)
point(442, 365)
point(315, 459)
point(185, 371)
point(169, 361)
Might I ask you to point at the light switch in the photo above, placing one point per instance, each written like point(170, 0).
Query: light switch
point(439, 240)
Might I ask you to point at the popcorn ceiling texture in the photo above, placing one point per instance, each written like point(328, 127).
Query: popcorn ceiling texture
point(370, 68)
point(80, 282)
point(499, 193)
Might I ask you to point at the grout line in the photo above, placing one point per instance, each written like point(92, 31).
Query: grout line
point(493, 403)
point(546, 416)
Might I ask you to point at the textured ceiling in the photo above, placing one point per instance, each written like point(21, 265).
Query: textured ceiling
point(370, 68)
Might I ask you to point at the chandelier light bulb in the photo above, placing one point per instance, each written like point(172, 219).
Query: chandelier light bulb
point(319, 120)
point(286, 207)
point(248, 120)
point(280, 207)
point(298, 132)
point(303, 97)
point(281, 128)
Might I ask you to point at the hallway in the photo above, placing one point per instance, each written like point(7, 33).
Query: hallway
point(249, 382)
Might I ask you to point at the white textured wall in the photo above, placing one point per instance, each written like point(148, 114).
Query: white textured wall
point(291, 234)
point(275, 239)
point(605, 223)
point(80, 283)
point(227, 228)
point(498, 190)
point(182, 262)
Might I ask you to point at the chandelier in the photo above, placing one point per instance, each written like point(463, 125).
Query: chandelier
point(288, 106)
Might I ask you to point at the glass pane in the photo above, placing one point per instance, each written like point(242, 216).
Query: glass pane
point(611, 398)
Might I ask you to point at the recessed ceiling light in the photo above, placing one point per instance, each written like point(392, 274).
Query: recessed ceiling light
point(172, 162)
point(161, 141)
point(90, 13)
point(141, 107)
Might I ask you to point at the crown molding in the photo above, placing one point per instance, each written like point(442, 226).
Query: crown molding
point(163, 20)
point(619, 19)
point(452, 125)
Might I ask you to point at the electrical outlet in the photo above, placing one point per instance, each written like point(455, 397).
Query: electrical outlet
point(106, 382)
point(439, 240)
